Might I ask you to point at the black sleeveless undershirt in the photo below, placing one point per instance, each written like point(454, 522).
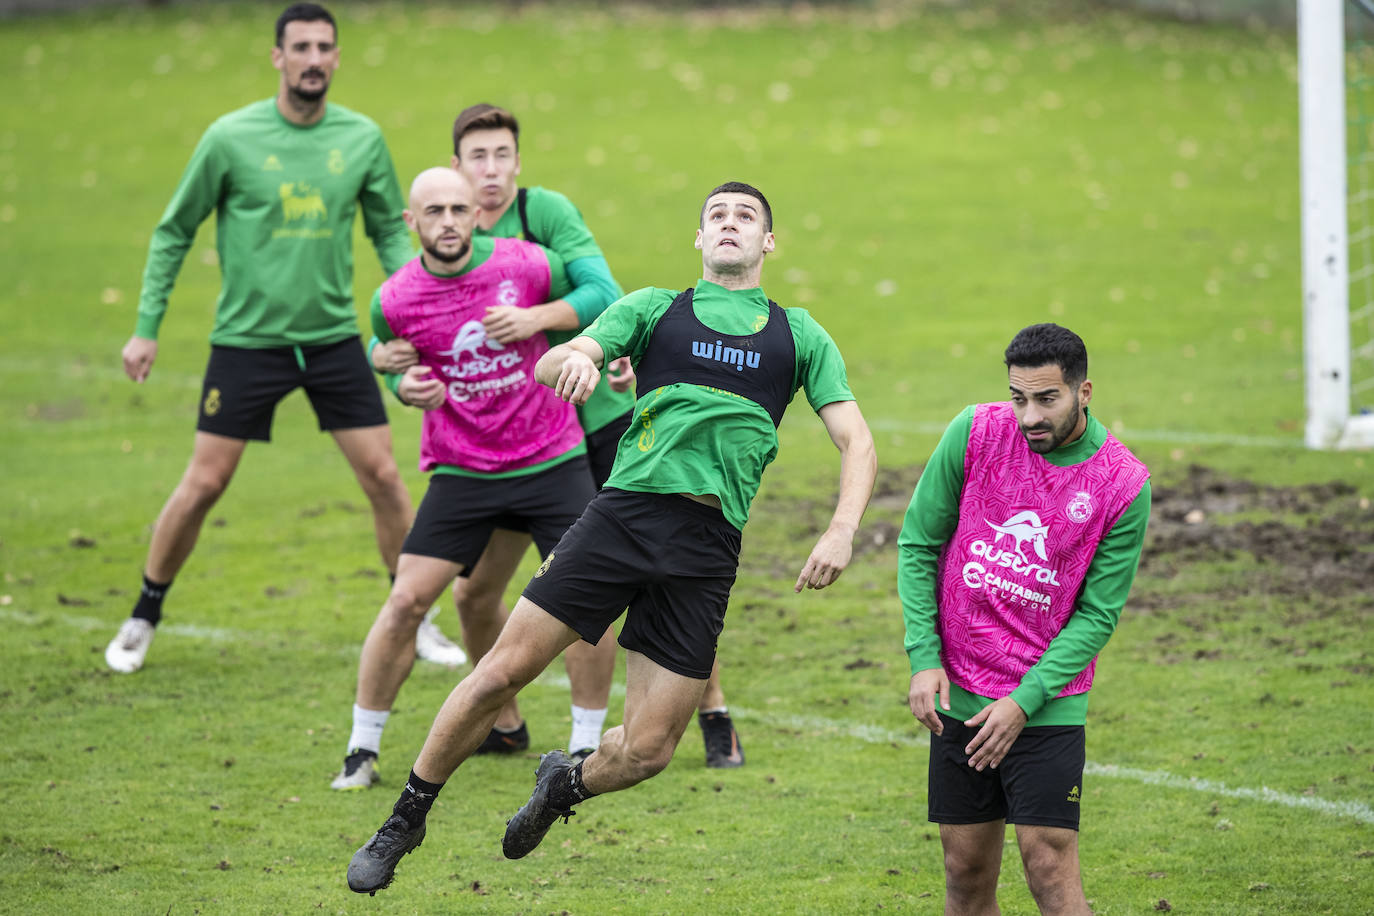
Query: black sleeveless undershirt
point(759, 366)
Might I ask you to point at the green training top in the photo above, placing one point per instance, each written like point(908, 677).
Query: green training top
point(693, 439)
point(285, 197)
point(557, 224)
point(930, 522)
point(482, 248)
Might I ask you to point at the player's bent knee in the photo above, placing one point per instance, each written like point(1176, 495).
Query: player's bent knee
point(404, 608)
point(643, 760)
point(494, 681)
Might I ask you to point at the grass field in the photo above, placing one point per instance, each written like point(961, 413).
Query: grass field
point(940, 176)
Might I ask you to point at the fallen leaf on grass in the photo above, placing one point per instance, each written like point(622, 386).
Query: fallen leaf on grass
point(71, 602)
point(1163, 905)
point(1259, 886)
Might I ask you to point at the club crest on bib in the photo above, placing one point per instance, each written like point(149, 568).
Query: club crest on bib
point(1080, 508)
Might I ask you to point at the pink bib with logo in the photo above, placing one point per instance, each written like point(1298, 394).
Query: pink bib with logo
point(496, 417)
point(1011, 575)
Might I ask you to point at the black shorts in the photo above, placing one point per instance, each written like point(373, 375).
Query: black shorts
point(603, 444)
point(670, 560)
point(458, 514)
point(243, 387)
point(1039, 782)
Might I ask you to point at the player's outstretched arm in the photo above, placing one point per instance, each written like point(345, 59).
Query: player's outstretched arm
point(858, 467)
point(139, 354)
point(571, 369)
point(510, 323)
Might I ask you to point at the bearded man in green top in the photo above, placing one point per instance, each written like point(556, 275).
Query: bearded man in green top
point(717, 366)
point(286, 177)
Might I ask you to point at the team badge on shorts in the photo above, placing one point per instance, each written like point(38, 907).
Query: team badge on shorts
point(212, 402)
point(544, 567)
point(1080, 508)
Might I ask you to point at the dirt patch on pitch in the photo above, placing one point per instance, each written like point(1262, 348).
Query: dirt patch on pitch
point(1310, 541)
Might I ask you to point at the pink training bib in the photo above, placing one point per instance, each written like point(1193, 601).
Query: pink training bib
point(1011, 575)
point(496, 417)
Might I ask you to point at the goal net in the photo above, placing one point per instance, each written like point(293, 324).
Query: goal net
point(1336, 96)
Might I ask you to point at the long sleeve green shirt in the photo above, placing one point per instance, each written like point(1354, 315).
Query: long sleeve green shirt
point(931, 520)
point(285, 197)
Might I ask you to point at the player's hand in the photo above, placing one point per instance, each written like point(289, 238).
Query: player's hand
point(620, 374)
point(138, 355)
point(1002, 722)
point(925, 687)
point(394, 356)
point(828, 559)
point(577, 378)
point(509, 323)
point(417, 390)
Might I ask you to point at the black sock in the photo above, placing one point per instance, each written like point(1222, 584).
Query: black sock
point(569, 790)
point(149, 604)
point(416, 799)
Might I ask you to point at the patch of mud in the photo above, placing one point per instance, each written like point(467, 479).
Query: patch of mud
point(1316, 542)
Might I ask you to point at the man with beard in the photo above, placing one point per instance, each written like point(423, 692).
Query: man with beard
point(503, 448)
point(1015, 559)
point(718, 363)
point(287, 176)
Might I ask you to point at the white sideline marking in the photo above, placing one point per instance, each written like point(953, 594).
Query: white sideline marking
point(1358, 811)
point(1181, 436)
point(870, 734)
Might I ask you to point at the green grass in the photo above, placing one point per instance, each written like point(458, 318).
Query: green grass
point(940, 178)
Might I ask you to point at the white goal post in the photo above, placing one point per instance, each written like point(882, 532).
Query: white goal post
point(1325, 230)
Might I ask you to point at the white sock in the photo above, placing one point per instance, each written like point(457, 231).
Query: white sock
point(717, 710)
point(367, 729)
point(586, 728)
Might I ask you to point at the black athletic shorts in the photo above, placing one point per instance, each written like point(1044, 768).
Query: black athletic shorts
point(601, 449)
point(667, 558)
point(603, 444)
point(1039, 782)
point(243, 387)
point(458, 514)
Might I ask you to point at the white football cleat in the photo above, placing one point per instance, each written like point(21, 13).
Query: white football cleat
point(433, 646)
point(359, 772)
point(126, 651)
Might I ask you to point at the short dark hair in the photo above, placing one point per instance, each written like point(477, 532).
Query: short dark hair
point(1049, 345)
point(304, 12)
point(739, 187)
point(483, 117)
